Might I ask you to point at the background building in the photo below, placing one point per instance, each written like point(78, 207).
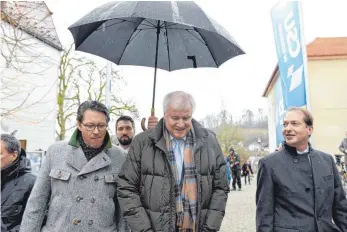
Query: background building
point(327, 88)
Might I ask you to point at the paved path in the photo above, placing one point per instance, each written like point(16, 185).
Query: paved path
point(240, 211)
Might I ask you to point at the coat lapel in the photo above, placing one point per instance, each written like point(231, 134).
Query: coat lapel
point(99, 161)
point(76, 158)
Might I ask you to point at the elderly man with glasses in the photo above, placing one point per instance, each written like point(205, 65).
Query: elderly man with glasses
point(77, 180)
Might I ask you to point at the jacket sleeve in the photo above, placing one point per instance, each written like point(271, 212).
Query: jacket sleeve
point(38, 200)
point(340, 201)
point(128, 190)
point(219, 194)
point(264, 199)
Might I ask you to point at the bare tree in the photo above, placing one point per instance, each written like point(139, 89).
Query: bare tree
point(81, 79)
point(23, 66)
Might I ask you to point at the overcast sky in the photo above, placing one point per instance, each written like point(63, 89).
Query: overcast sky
point(238, 83)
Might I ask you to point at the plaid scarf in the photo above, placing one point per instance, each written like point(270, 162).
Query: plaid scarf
point(186, 197)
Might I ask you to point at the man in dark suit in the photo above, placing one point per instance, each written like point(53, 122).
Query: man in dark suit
point(298, 187)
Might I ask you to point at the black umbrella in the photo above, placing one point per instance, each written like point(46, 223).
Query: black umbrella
point(165, 35)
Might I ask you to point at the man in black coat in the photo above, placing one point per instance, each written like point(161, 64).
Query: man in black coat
point(299, 188)
point(17, 182)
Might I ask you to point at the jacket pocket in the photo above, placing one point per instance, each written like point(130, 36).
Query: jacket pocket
point(60, 174)
point(59, 181)
point(282, 229)
point(110, 180)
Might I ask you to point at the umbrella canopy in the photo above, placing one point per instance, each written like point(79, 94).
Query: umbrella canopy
point(165, 35)
point(125, 32)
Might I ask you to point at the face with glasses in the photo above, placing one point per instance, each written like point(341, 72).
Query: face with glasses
point(93, 128)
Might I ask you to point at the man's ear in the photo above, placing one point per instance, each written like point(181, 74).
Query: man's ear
point(14, 155)
point(310, 130)
point(79, 125)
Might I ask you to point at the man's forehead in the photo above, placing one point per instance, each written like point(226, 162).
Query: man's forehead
point(124, 123)
point(294, 116)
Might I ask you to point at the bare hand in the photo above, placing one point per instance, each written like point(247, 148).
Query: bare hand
point(152, 122)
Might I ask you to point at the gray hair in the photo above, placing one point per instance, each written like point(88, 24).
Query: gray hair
point(92, 105)
point(179, 99)
point(11, 143)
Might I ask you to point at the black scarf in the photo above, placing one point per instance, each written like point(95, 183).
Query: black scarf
point(90, 152)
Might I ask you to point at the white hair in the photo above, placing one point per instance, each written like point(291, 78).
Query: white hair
point(178, 100)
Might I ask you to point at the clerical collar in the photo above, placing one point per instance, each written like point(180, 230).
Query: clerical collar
point(303, 152)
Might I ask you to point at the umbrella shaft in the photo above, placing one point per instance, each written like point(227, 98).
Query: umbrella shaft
point(156, 64)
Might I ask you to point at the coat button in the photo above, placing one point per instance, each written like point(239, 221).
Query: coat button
point(307, 190)
point(76, 221)
point(78, 199)
point(295, 160)
point(96, 178)
point(81, 177)
point(90, 222)
point(92, 200)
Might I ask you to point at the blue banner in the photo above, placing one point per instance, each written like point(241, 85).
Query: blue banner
point(279, 111)
point(290, 47)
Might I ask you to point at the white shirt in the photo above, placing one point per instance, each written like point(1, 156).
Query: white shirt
point(179, 154)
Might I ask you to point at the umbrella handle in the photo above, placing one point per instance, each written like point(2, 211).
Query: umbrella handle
point(143, 121)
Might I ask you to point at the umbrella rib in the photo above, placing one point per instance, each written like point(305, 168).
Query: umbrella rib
point(207, 48)
point(150, 23)
point(148, 28)
point(125, 47)
point(110, 25)
point(197, 37)
point(138, 31)
point(173, 24)
point(167, 44)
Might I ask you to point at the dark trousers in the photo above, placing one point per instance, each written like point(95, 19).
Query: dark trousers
point(249, 177)
point(236, 173)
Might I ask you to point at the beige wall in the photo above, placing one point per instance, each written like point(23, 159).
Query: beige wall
point(328, 98)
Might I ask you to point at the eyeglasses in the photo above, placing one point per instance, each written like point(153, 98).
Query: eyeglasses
point(91, 127)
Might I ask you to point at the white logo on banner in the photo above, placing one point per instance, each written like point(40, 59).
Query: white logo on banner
point(296, 77)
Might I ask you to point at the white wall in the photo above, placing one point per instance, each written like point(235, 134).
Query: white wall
point(271, 121)
point(36, 79)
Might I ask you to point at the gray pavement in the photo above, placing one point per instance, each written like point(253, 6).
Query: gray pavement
point(240, 210)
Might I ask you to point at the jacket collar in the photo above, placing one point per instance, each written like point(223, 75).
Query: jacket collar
point(74, 141)
point(292, 150)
